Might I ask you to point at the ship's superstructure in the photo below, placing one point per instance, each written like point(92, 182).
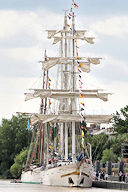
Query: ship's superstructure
point(61, 171)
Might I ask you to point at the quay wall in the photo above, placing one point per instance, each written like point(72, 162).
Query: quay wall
point(110, 185)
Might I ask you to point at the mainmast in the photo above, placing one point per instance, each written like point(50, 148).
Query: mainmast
point(73, 101)
point(66, 80)
point(73, 51)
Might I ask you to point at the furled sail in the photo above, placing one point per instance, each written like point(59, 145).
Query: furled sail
point(89, 39)
point(69, 118)
point(56, 39)
point(85, 65)
point(59, 94)
point(80, 34)
point(51, 62)
point(51, 33)
point(94, 60)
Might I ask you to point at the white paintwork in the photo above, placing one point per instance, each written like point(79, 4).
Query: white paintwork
point(57, 176)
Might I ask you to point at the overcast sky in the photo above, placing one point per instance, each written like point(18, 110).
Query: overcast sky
point(23, 40)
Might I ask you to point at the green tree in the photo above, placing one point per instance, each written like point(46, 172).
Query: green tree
point(108, 155)
point(20, 159)
point(16, 170)
point(120, 121)
point(98, 143)
point(14, 136)
point(117, 141)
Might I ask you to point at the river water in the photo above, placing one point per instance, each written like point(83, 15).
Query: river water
point(6, 186)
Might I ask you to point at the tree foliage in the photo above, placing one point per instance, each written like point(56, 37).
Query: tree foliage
point(98, 143)
point(120, 124)
point(16, 170)
point(20, 159)
point(108, 155)
point(14, 136)
point(120, 121)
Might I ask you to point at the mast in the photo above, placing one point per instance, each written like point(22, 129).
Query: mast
point(42, 111)
point(73, 51)
point(45, 129)
point(66, 80)
point(73, 103)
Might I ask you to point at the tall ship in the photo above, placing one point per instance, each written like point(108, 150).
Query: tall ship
point(51, 160)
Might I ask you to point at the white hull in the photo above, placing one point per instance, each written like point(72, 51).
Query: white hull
point(65, 175)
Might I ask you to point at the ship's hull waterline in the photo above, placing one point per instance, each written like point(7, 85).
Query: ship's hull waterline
point(65, 175)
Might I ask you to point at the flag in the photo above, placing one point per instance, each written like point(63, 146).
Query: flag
point(83, 146)
point(82, 134)
point(83, 116)
point(76, 52)
point(74, 31)
point(83, 128)
point(50, 102)
point(75, 5)
point(37, 133)
point(50, 124)
point(50, 130)
point(80, 82)
point(49, 84)
point(83, 123)
point(80, 64)
point(67, 25)
point(50, 147)
point(81, 96)
point(28, 125)
point(82, 104)
point(79, 70)
point(69, 17)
